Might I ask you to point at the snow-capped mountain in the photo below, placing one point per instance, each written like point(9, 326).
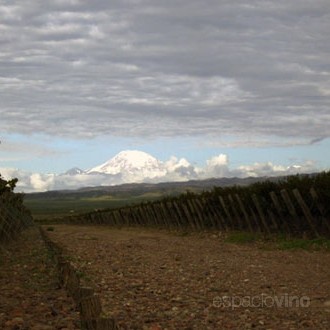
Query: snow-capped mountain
point(132, 165)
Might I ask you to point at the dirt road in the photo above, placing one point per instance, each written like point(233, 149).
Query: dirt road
point(152, 279)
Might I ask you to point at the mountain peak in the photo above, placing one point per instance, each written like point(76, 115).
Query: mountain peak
point(131, 164)
point(74, 171)
point(136, 157)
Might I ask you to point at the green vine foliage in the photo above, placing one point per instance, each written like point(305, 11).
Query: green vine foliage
point(7, 194)
point(12, 209)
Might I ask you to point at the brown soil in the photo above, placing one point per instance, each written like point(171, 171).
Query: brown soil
point(152, 279)
point(30, 296)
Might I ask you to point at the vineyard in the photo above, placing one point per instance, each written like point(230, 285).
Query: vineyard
point(297, 206)
point(131, 275)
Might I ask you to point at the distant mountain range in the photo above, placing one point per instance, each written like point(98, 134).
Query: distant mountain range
point(131, 167)
point(166, 188)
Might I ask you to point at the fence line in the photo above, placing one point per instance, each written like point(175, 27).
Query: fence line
point(87, 301)
point(285, 212)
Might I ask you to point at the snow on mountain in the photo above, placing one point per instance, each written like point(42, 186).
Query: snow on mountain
point(133, 165)
point(74, 171)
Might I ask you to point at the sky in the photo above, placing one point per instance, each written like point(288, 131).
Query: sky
point(83, 80)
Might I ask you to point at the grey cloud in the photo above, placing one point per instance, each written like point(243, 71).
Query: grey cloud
point(189, 67)
point(27, 150)
point(316, 140)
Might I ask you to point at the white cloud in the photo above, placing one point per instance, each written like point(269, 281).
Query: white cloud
point(221, 160)
point(270, 169)
point(41, 182)
point(217, 166)
point(179, 170)
point(261, 169)
point(174, 163)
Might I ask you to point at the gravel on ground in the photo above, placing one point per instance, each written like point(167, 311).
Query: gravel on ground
point(155, 279)
point(30, 296)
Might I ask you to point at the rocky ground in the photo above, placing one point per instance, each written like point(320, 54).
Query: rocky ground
point(30, 297)
point(156, 280)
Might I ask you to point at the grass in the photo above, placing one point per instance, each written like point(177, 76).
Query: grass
point(44, 209)
point(304, 244)
point(54, 208)
point(240, 237)
point(279, 241)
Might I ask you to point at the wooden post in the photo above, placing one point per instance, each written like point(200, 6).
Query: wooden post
point(173, 214)
point(229, 217)
point(142, 215)
point(73, 282)
point(131, 216)
point(167, 215)
point(218, 220)
point(163, 215)
point(255, 219)
point(194, 214)
point(121, 217)
point(100, 324)
point(90, 308)
point(189, 216)
point(146, 213)
point(153, 215)
point(315, 197)
point(321, 209)
point(233, 207)
point(273, 219)
point(197, 209)
point(112, 217)
point(279, 210)
point(291, 209)
point(117, 218)
point(123, 211)
point(83, 293)
point(201, 211)
point(260, 212)
point(157, 214)
point(246, 216)
point(209, 213)
point(182, 219)
point(128, 219)
point(64, 272)
point(306, 211)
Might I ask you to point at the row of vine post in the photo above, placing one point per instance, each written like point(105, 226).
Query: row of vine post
point(284, 212)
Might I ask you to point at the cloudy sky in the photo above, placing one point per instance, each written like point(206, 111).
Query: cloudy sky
point(195, 79)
